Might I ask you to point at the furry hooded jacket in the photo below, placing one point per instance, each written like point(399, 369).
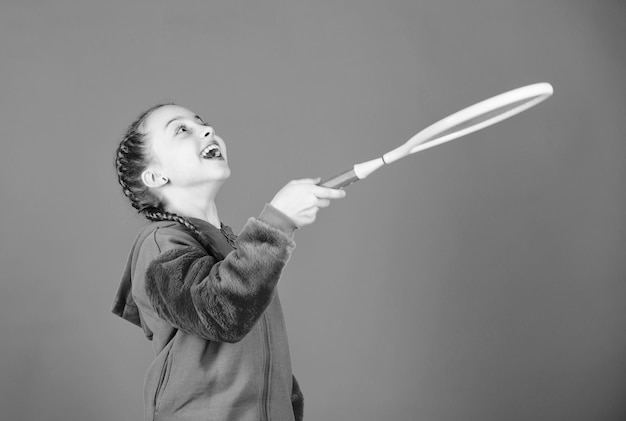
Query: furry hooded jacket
point(210, 307)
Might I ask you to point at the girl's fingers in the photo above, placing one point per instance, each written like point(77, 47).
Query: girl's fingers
point(323, 203)
point(306, 181)
point(328, 193)
point(319, 191)
point(302, 199)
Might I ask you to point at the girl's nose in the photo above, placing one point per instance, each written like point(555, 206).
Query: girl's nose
point(208, 131)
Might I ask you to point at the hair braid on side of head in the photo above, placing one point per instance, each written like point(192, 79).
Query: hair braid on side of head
point(131, 160)
point(127, 169)
point(157, 214)
point(120, 166)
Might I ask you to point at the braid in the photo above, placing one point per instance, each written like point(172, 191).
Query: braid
point(156, 214)
point(131, 160)
point(122, 167)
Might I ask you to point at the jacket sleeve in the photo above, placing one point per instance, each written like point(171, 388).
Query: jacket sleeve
point(217, 300)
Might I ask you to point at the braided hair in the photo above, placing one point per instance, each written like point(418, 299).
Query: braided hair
point(131, 160)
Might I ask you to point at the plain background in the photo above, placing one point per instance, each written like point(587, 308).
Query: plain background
point(480, 280)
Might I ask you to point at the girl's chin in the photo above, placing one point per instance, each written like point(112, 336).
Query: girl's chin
point(225, 173)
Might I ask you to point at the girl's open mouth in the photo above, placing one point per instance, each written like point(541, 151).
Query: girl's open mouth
point(212, 151)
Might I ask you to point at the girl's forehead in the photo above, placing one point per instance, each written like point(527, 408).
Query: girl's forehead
point(159, 118)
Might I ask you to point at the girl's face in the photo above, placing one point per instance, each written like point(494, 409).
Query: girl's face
point(183, 148)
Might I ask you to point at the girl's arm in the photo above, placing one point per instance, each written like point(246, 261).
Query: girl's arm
point(219, 300)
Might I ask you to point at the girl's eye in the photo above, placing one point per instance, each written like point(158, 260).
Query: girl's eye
point(181, 129)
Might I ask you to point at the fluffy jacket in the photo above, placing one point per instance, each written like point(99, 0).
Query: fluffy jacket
point(214, 316)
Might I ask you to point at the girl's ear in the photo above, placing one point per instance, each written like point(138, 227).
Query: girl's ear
point(153, 179)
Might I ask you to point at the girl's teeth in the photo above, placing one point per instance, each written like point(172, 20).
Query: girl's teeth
point(212, 151)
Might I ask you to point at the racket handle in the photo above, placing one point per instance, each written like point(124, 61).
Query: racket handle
point(341, 180)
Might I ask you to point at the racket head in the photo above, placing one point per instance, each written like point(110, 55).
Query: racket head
point(473, 118)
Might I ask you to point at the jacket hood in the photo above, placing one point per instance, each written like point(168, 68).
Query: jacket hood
point(123, 304)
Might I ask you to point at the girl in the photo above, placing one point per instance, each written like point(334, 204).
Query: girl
point(207, 298)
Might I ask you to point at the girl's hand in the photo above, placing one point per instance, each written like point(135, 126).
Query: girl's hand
point(301, 199)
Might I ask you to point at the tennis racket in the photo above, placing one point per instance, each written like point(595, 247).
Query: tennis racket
point(465, 121)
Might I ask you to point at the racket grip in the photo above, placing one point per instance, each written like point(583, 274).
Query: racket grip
point(341, 180)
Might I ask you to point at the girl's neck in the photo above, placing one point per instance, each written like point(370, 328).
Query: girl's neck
point(193, 203)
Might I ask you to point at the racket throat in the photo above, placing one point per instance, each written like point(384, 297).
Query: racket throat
point(364, 169)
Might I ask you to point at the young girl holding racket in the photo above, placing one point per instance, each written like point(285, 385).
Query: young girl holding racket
point(207, 298)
